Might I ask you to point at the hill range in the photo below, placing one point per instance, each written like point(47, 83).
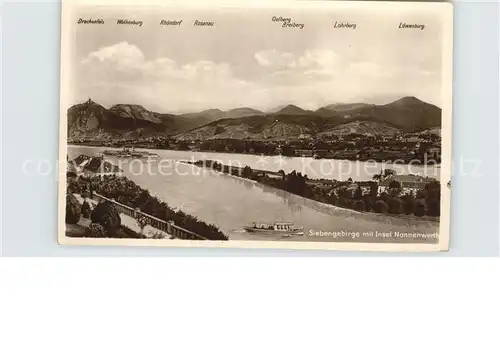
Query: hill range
point(90, 120)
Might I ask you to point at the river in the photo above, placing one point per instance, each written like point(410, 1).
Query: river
point(230, 202)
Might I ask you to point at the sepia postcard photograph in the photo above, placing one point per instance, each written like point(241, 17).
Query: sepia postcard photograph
point(288, 125)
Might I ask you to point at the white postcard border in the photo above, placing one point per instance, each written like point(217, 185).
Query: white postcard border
point(67, 29)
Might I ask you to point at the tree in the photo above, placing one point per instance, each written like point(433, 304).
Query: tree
point(332, 199)
point(394, 188)
point(343, 192)
point(287, 151)
point(349, 203)
point(247, 172)
point(341, 202)
point(432, 193)
point(282, 172)
point(419, 209)
point(422, 151)
point(296, 183)
point(95, 230)
point(380, 206)
point(396, 206)
point(369, 202)
point(106, 215)
point(409, 204)
point(142, 221)
point(72, 186)
point(73, 209)
point(421, 194)
point(183, 145)
point(358, 193)
point(388, 173)
point(359, 205)
point(86, 210)
point(433, 190)
point(433, 207)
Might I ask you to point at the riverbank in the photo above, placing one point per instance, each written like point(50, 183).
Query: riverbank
point(313, 168)
point(331, 221)
point(422, 205)
point(382, 157)
point(231, 202)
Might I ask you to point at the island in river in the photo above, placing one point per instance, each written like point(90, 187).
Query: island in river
point(230, 202)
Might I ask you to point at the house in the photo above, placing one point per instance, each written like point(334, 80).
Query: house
point(304, 153)
point(415, 139)
point(89, 166)
point(319, 153)
point(366, 186)
point(322, 183)
point(434, 152)
point(71, 171)
point(305, 136)
point(352, 188)
point(409, 182)
point(194, 147)
point(275, 175)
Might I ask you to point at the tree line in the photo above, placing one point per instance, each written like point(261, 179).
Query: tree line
point(348, 194)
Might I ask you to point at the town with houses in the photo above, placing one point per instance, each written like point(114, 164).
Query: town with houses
point(404, 148)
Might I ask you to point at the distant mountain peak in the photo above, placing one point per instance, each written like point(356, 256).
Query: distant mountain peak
point(212, 110)
point(131, 105)
point(128, 109)
point(135, 112)
point(345, 107)
point(408, 114)
point(244, 109)
point(242, 112)
point(322, 109)
point(291, 109)
point(90, 103)
point(408, 100)
point(291, 106)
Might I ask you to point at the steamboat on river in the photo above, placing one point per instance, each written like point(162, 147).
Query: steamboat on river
point(281, 228)
point(130, 152)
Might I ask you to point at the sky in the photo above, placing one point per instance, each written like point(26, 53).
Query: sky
point(247, 60)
